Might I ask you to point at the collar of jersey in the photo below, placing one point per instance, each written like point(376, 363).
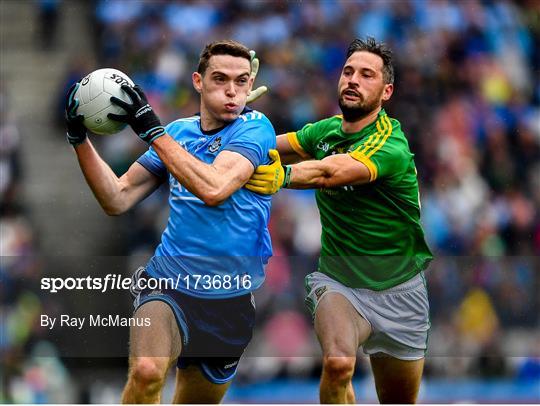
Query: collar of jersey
point(368, 129)
point(216, 130)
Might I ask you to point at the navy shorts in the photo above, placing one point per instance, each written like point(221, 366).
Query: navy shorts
point(215, 332)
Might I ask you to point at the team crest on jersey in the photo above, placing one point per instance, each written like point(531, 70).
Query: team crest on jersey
point(214, 146)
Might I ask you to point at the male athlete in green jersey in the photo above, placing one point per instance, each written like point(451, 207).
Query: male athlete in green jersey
point(369, 289)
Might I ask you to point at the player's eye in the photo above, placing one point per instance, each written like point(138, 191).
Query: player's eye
point(219, 79)
point(242, 81)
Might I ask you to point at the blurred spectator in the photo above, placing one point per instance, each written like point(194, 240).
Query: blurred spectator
point(48, 12)
point(26, 378)
point(10, 161)
point(77, 68)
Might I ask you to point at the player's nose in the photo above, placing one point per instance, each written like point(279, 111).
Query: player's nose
point(354, 80)
point(230, 90)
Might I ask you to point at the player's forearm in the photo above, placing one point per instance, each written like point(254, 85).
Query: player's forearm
point(332, 171)
point(201, 179)
point(310, 175)
point(103, 182)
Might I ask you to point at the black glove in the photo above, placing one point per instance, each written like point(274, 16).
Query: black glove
point(140, 115)
point(76, 131)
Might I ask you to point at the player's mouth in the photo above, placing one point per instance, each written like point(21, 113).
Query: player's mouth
point(231, 107)
point(350, 94)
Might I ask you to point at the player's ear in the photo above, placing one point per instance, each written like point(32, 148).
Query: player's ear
point(197, 81)
point(387, 92)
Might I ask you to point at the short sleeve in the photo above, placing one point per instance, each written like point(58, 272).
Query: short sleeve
point(153, 164)
point(303, 141)
point(253, 138)
point(385, 152)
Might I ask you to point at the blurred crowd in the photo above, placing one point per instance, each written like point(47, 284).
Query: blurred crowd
point(31, 371)
point(467, 94)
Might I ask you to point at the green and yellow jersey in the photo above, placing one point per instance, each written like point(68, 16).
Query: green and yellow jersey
point(371, 233)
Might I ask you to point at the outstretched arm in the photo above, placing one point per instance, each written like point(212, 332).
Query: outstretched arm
point(332, 171)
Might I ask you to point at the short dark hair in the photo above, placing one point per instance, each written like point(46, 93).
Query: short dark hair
point(377, 48)
point(223, 47)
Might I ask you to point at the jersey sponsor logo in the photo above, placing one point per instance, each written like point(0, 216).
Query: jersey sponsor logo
point(335, 191)
point(182, 144)
point(323, 146)
point(339, 150)
point(214, 146)
point(179, 191)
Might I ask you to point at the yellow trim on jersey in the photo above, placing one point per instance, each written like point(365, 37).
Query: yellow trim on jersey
point(378, 139)
point(295, 144)
point(373, 137)
point(360, 157)
point(387, 134)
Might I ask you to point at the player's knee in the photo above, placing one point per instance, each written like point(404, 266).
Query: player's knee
point(147, 373)
point(339, 368)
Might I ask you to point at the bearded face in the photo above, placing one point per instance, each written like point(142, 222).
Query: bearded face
point(361, 87)
point(354, 105)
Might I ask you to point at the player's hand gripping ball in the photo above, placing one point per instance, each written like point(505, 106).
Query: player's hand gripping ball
point(91, 98)
point(139, 114)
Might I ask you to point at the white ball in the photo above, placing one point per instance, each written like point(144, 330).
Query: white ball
point(94, 96)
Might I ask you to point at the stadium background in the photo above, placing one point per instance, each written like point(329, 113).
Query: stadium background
point(467, 94)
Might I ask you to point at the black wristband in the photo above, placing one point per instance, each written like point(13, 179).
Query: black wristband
point(287, 177)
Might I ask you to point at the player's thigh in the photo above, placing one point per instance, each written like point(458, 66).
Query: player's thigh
point(193, 387)
point(396, 381)
point(339, 327)
point(156, 337)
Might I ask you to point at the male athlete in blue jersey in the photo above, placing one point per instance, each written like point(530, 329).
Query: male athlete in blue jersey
point(216, 243)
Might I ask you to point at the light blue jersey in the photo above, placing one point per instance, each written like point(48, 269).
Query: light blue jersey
point(215, 252)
